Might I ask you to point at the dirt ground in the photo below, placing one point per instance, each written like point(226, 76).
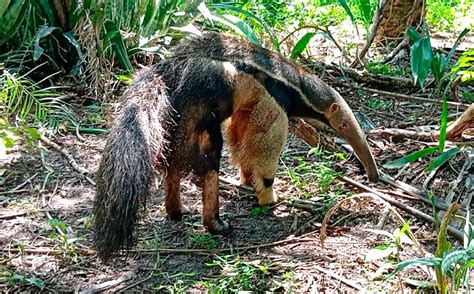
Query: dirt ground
point(46, 215)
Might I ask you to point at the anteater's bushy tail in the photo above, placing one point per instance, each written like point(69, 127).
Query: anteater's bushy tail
point(133, 150)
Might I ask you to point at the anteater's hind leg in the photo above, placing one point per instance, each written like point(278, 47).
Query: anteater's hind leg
point(174, 208)
point(207, 168)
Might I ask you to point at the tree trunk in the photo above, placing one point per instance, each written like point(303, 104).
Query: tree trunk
point(398, 15)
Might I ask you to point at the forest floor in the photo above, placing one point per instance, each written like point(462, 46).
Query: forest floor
point(46, 216)
point(46, 213)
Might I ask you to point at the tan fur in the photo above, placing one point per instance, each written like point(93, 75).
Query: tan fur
point(256, 132)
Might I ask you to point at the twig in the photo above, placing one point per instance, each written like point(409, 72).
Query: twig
point(400, 134)
point(291, 239)
point(413, 98)
point(104, 286)
point(383, 218)
point(395, 51)
point(22, 213)
point(66, 154)
point(83, 251)
point(14, 192)
point(410, 190)
point(142, 280)
point(366, 77)
point(336, 276)
point(69, 157)
point(43, 160)
point(459, 235)
point(430, 177)
point(373, 31)
point(17, 188)
point(13, 215)
point(228, 181)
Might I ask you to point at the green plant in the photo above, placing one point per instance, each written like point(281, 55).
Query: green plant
point(314, 176)
point(364, 12)
point(179, 283)
point(237, 275)
point(375, 103)
point(384, 69)
point(463, 71)
point(21, 96)
point(422, 60)
point(258, 211)
point(391, 249)
point(204, 241)
point(451, 265)
point(448, 15)
point(67, 246)
point(8, 276)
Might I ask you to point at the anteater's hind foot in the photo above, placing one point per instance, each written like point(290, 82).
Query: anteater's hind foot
point(210, 199)
point(174, 208)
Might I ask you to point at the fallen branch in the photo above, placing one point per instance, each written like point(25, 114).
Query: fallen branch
point(400, 134)
point(336, 276)
point(413, 98)
point(403, 44)
point(104, 286)
point(69, 157)
point(459, 235)
point(463, 123)
point(410, 190)
point(291, 239)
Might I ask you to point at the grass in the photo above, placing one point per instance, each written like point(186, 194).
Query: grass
point(313, 174)
point(206, 241)
point(237, 274)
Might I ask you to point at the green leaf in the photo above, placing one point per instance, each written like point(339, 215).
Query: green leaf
point(48, 11)
point(439, 65)
point(114, 38)
point(349, 13)
point(434, 262)
point(410, 158)
point(301, 45)
point(413, 35)
point(12, 19)
point(150, 12)
point(468, 96)
point(244, 28)
point(442, 159)
point(456, 256)
point(32, 132)
point(3, 7)
point(44, 31)
point(456, 43)
point(444, 121)
point(73, 41)
point(421, 57)
point(274, 39)
point(366, 11)
point(36, 282)
point(8, 142)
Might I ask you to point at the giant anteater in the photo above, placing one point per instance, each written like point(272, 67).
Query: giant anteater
point(170, 123)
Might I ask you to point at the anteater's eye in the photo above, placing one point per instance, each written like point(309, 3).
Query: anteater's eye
point(344, 125)
point(267, 182)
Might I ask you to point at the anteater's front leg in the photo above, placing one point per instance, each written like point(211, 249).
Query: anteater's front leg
point(256, 137)
point(210, 200)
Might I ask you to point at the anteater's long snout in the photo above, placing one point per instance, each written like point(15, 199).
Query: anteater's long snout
point(342, 119)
